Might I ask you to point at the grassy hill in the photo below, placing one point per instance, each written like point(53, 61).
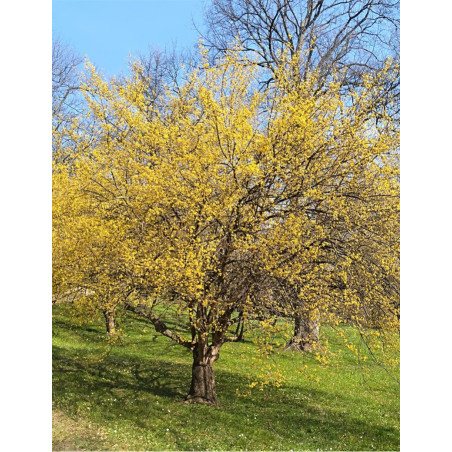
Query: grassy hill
point(129, 396)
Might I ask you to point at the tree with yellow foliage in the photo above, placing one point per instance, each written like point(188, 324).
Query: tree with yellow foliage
point(357, 36)
point(226, 200)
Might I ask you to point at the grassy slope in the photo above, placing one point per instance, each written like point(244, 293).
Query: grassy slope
point(131, 397)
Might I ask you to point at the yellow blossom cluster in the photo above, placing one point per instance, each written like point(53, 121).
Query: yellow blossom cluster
point(230, 201)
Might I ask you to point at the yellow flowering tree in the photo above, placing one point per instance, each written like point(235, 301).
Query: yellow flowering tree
point(230, 203)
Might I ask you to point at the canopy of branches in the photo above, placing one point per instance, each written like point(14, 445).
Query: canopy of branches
point(221, 197)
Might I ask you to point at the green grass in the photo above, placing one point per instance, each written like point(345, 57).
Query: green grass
point(130, 396)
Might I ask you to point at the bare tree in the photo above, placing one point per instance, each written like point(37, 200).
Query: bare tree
point(65, 81)
point(67, 101)
point(356, 35)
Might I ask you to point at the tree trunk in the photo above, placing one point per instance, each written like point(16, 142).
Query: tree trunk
point(240, 328)
point(202, 388)
point(110, 322)
point(306, 332)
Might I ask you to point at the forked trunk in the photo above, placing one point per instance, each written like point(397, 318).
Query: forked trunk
point(202, 388)
point(306, 332)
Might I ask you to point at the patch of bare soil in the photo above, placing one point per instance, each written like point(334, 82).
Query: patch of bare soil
point(69, 433)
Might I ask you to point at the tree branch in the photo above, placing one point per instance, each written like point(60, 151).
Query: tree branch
point(159, 326)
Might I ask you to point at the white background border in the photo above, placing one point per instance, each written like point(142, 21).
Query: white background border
point(26, 225)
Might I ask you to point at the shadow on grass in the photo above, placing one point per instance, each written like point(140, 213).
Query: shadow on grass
point(73, 375)
point(146, 390)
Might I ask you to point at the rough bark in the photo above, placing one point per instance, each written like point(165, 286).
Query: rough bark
point(202, 388)
point(306, 333)
point(110, 322)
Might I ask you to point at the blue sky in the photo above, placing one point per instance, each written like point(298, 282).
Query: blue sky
point(107, 31)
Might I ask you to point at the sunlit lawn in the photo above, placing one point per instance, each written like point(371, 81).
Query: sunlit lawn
point(130, 396)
